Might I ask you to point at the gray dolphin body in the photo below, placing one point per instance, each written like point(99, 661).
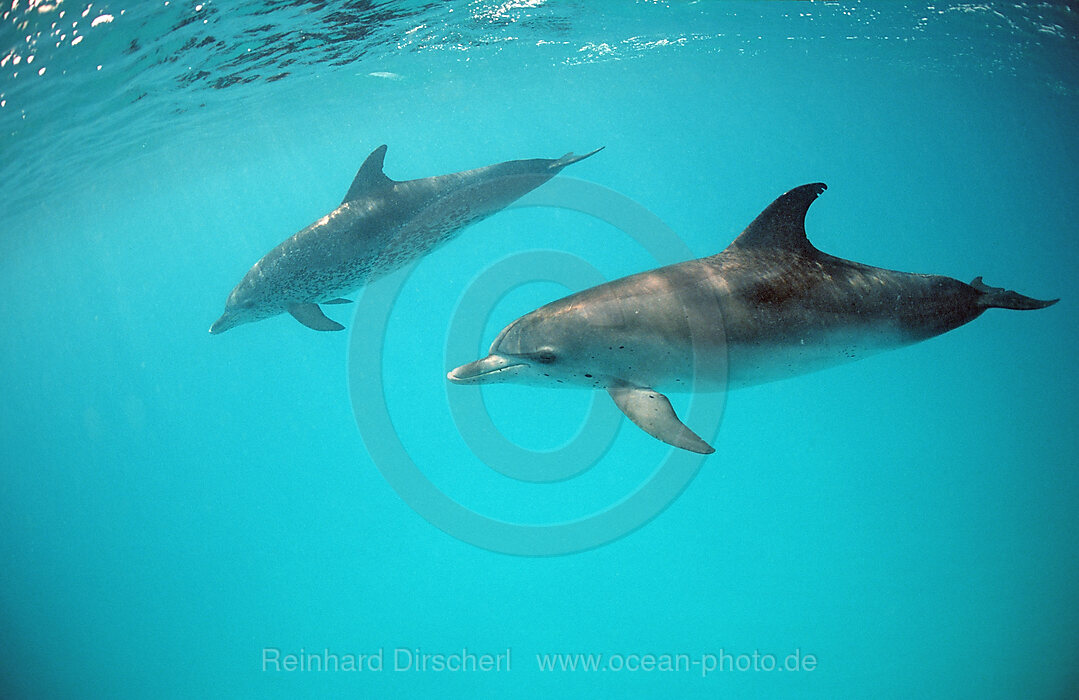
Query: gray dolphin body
point(380, 226)
point(770, 306)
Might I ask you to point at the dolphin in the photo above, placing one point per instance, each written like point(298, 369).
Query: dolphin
point(380, 226)
point(769, 306)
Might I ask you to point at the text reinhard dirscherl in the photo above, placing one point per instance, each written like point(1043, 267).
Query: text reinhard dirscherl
point(402, 659)
point(399, 659)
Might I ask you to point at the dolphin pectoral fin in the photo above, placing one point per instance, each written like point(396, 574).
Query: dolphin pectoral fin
point(338, 301)
point(653, 413)
point(311, 316)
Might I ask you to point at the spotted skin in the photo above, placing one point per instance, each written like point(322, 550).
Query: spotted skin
point(770, 306)
point(381, 226)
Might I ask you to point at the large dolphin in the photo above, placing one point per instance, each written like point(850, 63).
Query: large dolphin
point(769, 306)
point(380, 226)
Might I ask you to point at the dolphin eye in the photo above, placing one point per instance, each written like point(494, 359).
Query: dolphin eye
point(546, 357)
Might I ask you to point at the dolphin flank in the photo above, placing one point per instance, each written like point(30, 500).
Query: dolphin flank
point(380, 226)
point(770, 306)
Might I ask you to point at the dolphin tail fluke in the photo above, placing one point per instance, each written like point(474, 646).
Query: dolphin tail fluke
point(570, 158)
point(1000, 298)
point(653, 413)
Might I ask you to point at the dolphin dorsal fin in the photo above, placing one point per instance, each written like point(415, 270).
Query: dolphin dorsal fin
point(783, 223)
point(370, 176)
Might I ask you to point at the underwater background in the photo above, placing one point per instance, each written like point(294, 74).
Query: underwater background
point(181, 512)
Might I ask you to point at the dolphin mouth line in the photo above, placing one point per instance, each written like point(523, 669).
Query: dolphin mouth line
point(479, 370)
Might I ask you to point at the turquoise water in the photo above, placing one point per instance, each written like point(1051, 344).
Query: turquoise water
point(181, 511)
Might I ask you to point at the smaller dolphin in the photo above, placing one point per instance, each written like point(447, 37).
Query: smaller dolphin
point(770, 306)
point(380, 226)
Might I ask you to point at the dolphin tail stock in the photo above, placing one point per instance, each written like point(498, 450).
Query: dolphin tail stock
point(570, 158)
point(1000, 298)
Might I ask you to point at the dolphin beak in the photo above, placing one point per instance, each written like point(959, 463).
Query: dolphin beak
point(490, 369)
point(222, 324)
